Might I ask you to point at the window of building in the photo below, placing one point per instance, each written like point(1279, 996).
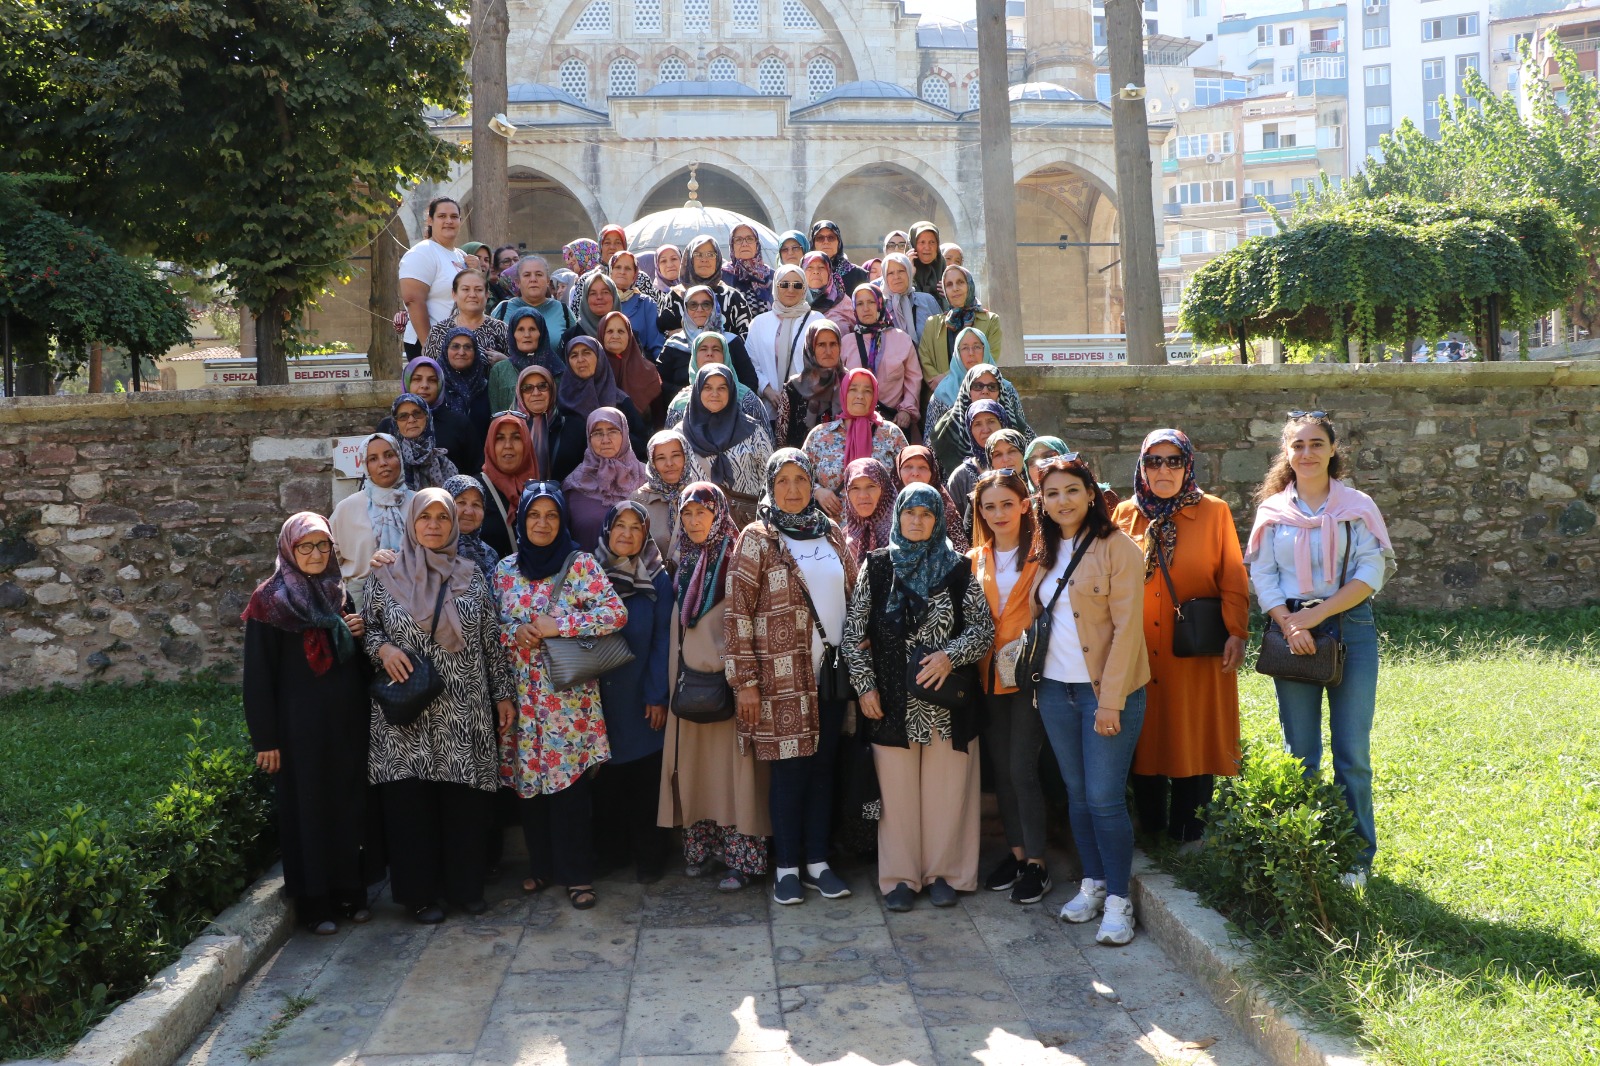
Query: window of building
point(1464, 64)
point(623, 78)
point(772, 79)
point(1261, 188)
point(696, 15)
point(596, 18)
point(1171, 291)
point(574, 79)
point(1378, 116)
point(722, 69)
point(936, 90)
point(1102, 88)
point(1378, 75)
point(1466, 25)
point(796, 16)
point(672, 69)
point(1263, 36)
point(820, 77)
point(1209, 91)
point(1432, 69)
point(646, 16)
point(1201, 192)
point(1302, 186)
point(1272, 136)
point(1099, 31)
point(973, 95)
point(1197, 9)
point(1193, 241)
point(1200, 145)
point(1286, 36)
point(1376, 37)
point(747, 14)
point(1432, 29)
point(1259, 227)
point(1151, 27)
point(1330, 135)
point(1430, 110)
point(1286, 75)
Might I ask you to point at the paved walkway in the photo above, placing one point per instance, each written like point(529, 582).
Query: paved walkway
point(677, 973)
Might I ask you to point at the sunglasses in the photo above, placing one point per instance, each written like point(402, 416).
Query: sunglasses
point(791, 284)
point(698, 305)
point(984, 386)
point(536, 386)
point(1156, 462)
point(1308, 414)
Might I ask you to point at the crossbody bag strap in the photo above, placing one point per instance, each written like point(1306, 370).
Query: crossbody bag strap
point(561, 579)
point(1171, 590)
point(438, 608)
point(1344, 567)
point(816, 621)
point(499, 504)
point(1072, 564)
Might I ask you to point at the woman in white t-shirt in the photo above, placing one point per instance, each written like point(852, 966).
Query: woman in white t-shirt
point(428, 270)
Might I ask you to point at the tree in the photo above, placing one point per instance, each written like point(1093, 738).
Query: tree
point(269, 136)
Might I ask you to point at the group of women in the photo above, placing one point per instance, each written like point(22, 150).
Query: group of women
point(822, 623)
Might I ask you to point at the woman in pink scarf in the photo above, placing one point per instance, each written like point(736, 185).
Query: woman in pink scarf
point(859, 433)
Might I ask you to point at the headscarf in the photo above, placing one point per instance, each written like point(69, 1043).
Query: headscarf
point(419, 455)
point(875, 261)
point(581, 397)
point(891, 235)
point(835, 290)
point(752, 276)
point(954, 421)
point(714, 434)
point(958, 318)
point(789, 318)
point(641, 281)
point(688, 262)
point(952, 515)
point(1013, 437)
point(703, 568)
point(927, 277)
point(587, 319)
point(901, 305)
point(637, 375)
point(858, 429)
point(839, 263)
point(798, 237)
point(510, 484)
point(1054, 444)
point(953, 380)
point(471, 544)
point(544, 355)
point(807, 524)
point(662, 283)
point(691, 332)
point(670, 493)
point(539, 563)
point(608, 480)
point(538, 425)
point(919, 566)
point(982, 407)
point(819, 388)
point(948, 247)
point(386, 506)
point(460, 387)
point(414, 579)
point(609, 227)
point(631, 575)
point(309, 604)
point(581, 256)
point(871, 336)
point(862, 535)
point(1161, 535)
point(405, 377)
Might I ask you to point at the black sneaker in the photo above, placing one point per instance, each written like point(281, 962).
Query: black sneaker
point(1031, 886)
point(901, 898)
point(1004, 874)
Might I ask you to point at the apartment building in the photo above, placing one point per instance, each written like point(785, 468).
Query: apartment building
point(1577, 26)
point(1405, 55)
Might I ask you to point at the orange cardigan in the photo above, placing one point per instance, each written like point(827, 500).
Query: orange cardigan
point(1010, 618)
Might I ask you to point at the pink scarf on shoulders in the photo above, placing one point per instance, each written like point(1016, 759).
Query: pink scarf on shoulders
point(1345, 504)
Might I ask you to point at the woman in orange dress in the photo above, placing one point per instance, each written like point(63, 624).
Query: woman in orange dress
point(1191, 725)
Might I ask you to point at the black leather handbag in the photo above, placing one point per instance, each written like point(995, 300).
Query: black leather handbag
point(1198, 629)
point(960, 689)
point(403, 701)
point(700, 696)
point(1325, 666)
point(1036, 638)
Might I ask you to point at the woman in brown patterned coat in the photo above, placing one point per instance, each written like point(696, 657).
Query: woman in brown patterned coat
point(791, 580)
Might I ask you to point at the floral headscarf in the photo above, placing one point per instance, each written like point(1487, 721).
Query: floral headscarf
point(961, 317)
point(871, 336)
point(919, 566)
point(952, 515)
point(471, 544)
point(703, 568)
point(983, 407)
point(818, 387)
point(862, 535)
point(807, 524)
point(1162, 533)
point(1012, 437)
point(581, 255)
point(631, 575)
point(461, 387)
point(309, 604)
point(607, 480)
point(752, 276)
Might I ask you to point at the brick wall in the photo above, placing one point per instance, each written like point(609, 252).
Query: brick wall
point(133, 528)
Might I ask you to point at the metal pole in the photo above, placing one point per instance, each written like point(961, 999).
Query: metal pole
point(135, 360)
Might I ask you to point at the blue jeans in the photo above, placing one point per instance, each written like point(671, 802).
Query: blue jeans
point(1351, 706)
point(1095, 769)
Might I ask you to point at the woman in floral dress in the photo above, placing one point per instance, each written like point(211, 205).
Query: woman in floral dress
point(557, 734)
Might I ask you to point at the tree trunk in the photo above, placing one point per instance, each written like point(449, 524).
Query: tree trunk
point(272, 364)
point(999, 184)
point(383, 299)
point(1141, 280)
point(491, 184)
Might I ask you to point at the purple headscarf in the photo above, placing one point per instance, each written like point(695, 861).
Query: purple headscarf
point(607, 480)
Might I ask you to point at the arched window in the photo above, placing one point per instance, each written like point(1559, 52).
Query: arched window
point(596, 18)
point(972, 94)
point(672, 69)
point(722, 69)
point(771, 78)
point(796, 16)
point(936, 90)
point(646, 16)
point(624, 78)
point(574, 79)
point(820, 76)
point(746, 14)
point(696, 15)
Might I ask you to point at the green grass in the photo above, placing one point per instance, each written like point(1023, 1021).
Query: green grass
point(293, 1007)
point(1480, 941)
point(112, 747)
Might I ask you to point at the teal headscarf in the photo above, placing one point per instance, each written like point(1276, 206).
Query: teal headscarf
point(794, 235)
point(919, 566)
point(951, 385)
point(1054, 444)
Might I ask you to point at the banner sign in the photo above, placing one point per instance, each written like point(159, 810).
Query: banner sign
point(301, 371)
point(1094, 350)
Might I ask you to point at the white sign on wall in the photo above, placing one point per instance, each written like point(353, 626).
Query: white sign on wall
point(301, 371)
point(1094, 350)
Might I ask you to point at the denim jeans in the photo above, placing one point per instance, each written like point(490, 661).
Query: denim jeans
point(800, 796)
point(1351, 706)
point(1095, 769)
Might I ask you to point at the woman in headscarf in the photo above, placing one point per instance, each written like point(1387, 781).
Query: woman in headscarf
point(748, 272)
point(950, 438)
point(1191, 717)
point(595, 298)
point(510, 461)
point(439, 774)
point(426, 464)
point(938, 344)
point(672, 466)
point(636, 374)
point(612, 239)
point(561, 282)
point(812, 396)
point(550, 588)
point(896, 241)
point(859, 432)
point(588, 384)
point(877, 345)
point(1002, 449)
point(634, 698)
point(305, 705)
point(640, 302)
point(827, 238)
point(536, 403)
point(792, 246)
point(713, 349)
point(823, 292)
point(702, 314)
point(665, 270)
point(467, 492)
point(581, 255)
point(874, 269)
point(928, 260)
point(779, 631)
point(972, 349)
point(868, 507)
point(529, 346)
point(371, 519)
point(702, 265)
point(916, 604)
point(909, 310)
point(731, 445)
point(776, 339)
point(711, 786)
point(1042, 448)
point(609, 474)
point(424, 377)
point(466, 381)
point(470, 290)
point(917, 465)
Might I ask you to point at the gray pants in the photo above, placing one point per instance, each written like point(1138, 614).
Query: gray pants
point(1014, 736)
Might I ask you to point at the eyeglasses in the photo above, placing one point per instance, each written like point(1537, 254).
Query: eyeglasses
point(824, 236)
point(896, 246)
point(791, 284)
point(745, 240)
point(1064, 459)
point(307, 549)
point(536, 386)
point(1308, 414)
point(985, 386)
point(1156, 462)
point(410, 416)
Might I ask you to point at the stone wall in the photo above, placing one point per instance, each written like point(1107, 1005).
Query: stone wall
point(133, 528)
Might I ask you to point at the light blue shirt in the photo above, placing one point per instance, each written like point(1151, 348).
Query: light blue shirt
point(1273, 571)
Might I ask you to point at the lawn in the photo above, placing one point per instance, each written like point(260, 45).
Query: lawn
point(1480, 942)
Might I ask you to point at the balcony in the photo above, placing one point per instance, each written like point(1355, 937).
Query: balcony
point(1172, 210)
point(1249, 206)
point(1324, 48)
point(1169, 166)
point(1281, 155)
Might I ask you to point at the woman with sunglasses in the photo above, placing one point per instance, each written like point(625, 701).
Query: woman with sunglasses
point(1191, 718)
point(703, 265)
point(776, 342)
point(702, 314)
point(1091, 690)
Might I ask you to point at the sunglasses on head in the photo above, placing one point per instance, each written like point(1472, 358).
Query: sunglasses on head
point(1308, 414)
point(1156, 462)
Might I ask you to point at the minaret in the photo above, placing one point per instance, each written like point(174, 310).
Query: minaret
point(1060, 36)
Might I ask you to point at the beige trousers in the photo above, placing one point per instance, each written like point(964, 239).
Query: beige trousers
point(931, 808)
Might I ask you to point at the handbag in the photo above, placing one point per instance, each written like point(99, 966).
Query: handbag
point(1325, 666)
point(1035, 640)
point(570, 661)
point(833, 681)
point(1199, 629)
point(960, 688)
point(403, 701)
point(700, 696)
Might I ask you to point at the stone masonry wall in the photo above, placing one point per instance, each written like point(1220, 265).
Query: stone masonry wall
point(133, 528)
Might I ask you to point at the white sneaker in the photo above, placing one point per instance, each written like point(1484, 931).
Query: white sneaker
point(1354, 879)
point(1089, 901)
point(1117, 925)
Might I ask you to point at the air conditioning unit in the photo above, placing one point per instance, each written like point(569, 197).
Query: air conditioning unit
point(1374, 9)
point(1212, 157)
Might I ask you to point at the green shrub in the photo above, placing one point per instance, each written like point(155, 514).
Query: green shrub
point(1276, 843)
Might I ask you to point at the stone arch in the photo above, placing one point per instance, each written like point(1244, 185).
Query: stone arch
point(1097, 166)
point(720, 186)
point(549, 204)
point(620, 51)
point(842, 25)
point(871, 199)
point(1065, 287)
point(958, 223)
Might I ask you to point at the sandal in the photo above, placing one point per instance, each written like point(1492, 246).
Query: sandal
point(533, 886)
point(582, 899)
point(733, 882)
